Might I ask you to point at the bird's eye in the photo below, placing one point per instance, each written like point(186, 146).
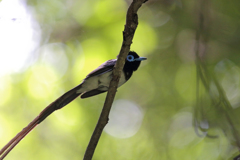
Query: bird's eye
point(130, 58)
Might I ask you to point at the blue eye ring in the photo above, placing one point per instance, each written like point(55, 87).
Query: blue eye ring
point(130, 58)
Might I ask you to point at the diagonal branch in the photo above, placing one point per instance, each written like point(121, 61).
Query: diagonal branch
point(128, 33)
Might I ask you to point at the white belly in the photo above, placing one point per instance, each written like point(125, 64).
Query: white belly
point(100, 81)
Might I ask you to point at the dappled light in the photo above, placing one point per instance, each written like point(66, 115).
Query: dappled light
point(125, 119)
point(228, 74)
point(20, 36)
point(183, 102)
point(5, 89)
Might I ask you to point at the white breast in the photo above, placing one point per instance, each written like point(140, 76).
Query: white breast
point(100, 82)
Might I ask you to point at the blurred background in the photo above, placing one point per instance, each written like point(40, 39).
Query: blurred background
point(182, 103)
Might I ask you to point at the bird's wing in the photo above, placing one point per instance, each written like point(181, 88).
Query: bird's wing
point(103, 68)
point(92, 93)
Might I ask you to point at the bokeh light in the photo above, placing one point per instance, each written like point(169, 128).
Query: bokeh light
point(170, 108)
point(125, 119)
point(19, 36)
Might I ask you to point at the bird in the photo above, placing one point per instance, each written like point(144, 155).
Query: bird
point(96, 82)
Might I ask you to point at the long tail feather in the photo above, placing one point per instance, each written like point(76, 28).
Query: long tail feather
point(57, 104)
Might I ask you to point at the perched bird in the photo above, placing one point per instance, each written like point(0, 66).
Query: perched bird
point(95, 83)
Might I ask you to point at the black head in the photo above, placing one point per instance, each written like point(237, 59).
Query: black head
point(133, 61)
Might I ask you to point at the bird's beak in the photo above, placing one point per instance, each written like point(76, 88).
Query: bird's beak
point(140, 59)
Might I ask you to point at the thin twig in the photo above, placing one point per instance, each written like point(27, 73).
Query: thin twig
point(128, 33)
point(221, 101)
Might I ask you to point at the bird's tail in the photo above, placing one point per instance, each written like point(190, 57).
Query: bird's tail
point(57, 104)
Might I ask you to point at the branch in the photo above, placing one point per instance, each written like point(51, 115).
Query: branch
point(208, 77)
point(128, 33)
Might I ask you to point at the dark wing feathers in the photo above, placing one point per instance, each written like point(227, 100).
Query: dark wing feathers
point(91, 93)
point(103, 68)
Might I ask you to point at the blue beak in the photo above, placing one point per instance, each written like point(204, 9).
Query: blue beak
point(140, 59)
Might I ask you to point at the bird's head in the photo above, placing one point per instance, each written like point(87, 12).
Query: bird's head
point(133, 61)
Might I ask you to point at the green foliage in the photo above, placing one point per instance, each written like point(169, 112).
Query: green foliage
point(77, 36)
